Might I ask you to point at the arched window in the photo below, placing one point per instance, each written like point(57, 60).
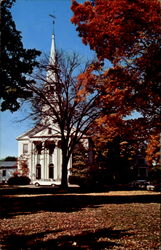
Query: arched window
point(38, 171)
point(51, 171)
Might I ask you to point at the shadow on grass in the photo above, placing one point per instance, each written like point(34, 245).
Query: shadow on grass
point(14, 205)
point(100, 239)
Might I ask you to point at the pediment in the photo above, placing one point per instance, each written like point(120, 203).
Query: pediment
point(47, 132)
point(40, 131)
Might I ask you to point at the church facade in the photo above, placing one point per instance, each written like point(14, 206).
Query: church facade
point(41, 149)
point(40, 146)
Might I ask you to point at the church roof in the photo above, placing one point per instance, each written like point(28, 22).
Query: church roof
point(40, 131)
point(31, 132)
point(8, 164)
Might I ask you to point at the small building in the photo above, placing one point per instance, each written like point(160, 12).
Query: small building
point(141, 167)
point(7, 168)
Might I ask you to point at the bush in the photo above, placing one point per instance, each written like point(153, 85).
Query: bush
point(82, 181)
point(155, 175)
point(19, 180)
point(86, 183)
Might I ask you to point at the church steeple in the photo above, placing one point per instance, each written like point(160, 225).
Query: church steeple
point(50, 80)
point(52, 58)
point(53, 48)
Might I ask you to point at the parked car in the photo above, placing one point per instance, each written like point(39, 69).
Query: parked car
point(45, 182)
point(139, 184)
point(154, 187)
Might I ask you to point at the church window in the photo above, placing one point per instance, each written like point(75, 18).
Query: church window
point(51, 171)
point(49, 131)
point(25, 148)
point(4, 173)
point(38, 171)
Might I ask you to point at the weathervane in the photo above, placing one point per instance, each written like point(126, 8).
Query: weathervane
point(53, 17)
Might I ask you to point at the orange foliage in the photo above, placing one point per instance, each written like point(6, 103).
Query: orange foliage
point(153, 150)
point(24, 170)
point(116, 28)
point(128, 34)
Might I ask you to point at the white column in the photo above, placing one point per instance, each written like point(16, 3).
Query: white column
point(47, 163)
point(55, 163)
point(30, 166)
point(59, 163)
point(69, 165)
point(33, 161)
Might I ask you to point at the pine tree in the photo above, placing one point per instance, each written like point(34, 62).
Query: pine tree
point(16, 62)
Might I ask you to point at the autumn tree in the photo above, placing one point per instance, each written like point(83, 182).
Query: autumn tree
point(153, 157)
point(16, 62)
point(23, 167)
point(61, 98)
point(79, 159)
point(80, 171)
point(115, 158)
point(128, 34)
point(153, 150)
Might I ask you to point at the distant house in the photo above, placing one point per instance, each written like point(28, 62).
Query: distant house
point(141, 167)
point(7, 168)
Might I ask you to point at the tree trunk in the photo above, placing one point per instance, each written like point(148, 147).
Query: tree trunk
point(64, 180)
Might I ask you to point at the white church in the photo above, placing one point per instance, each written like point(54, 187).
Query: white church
point(41, 147)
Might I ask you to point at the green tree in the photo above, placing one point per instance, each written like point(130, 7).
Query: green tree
point(16, 62)
point(79, 160)
point(10, 158)
point(80, 171)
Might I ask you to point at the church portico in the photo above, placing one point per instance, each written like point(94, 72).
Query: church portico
point(44, 155)
point(47, 160)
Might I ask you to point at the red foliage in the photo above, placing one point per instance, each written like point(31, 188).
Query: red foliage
point(116, 28)
point(128, 34)
point(153, 150)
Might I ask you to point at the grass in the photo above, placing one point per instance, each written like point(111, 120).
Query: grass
point(112, 220)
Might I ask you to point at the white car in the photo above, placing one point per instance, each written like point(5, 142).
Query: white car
point(141, 184)
point(154, 187)
point(45, 182)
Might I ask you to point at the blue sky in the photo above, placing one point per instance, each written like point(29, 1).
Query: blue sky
point(32, 19)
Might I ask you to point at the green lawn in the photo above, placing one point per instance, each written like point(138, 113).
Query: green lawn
point(112, 220)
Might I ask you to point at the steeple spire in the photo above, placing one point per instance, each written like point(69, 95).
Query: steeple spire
point(52, 59)
point(50, 78)
point(53, 49)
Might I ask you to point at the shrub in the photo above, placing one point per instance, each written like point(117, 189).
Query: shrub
point(82, 181)
point(19, 180)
